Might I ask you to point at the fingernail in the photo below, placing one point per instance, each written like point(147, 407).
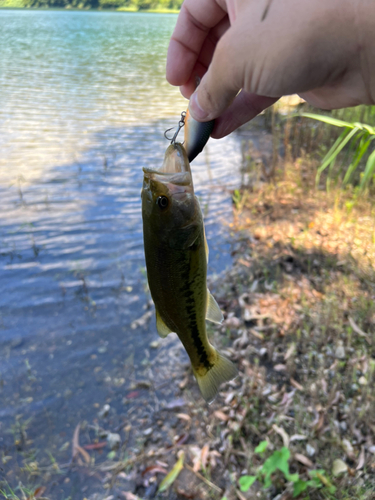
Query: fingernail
point(195, 108)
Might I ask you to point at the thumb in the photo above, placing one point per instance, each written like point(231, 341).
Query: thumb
point(222, 81)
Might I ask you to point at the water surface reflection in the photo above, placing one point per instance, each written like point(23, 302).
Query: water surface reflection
point(84, 105)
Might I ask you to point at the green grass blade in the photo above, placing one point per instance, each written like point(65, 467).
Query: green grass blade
point(172, 475)
point(352, 167)
point(330, 156)
point(336, 143)
point(369, 170)
point(330, 120)
point(370, 130)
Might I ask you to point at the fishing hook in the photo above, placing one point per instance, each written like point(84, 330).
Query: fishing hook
point(181, 123)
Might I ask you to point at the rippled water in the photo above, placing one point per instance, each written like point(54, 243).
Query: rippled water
point(83, 106)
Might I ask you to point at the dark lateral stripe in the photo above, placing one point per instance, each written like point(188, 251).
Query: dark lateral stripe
point(193, 327)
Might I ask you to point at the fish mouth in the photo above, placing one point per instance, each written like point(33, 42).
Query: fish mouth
point(183, 179)
point(175, 163)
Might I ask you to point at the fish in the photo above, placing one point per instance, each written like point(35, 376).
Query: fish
point(176, 255)
point(196, 135)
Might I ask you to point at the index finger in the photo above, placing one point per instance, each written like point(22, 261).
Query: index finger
point(194, 22)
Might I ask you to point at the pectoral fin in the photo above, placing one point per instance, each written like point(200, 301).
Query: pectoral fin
point(184, 237)
point(213, 312)
point(161, 327)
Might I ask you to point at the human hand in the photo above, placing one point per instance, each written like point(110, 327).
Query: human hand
point(322, 50)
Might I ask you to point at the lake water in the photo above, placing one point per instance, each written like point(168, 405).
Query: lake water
point(83, 107)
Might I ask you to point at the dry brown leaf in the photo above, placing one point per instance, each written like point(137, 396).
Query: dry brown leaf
point(221, 415)
point(297, 437)
point(179, 440)
point(37, 493)
point(196, 452)
point(229, 397)
point(282, 433)
point(320, 422)
point(204, 456)
point(256, 334)
point(303, 460)
point(280, 367)
point(339, 467)
point(348, 448)
point(244, 262)
point(213, 455)
point(295, 384)
point(85, 455)
point(358, 330)
point(184, 416)
point(77, 449)
point(361, 459)
point(75, 442)
point(153, 469)
point(128, 495)
point(240, 496)
point(184, 382)
point(290, 351)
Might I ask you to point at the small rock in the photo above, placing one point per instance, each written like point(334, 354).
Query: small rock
point(310, 450)
point(154, 344)
point(340, 350)
point(113, 440)
point(147, 432)
point(262, 351)
point(343, 425)
point(104, 411)
point(339, 467)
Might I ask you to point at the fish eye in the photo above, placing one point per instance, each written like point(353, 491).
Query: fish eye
point(163, 202)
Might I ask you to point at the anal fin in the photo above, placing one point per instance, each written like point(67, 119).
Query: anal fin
point(161, 327)
point(213, 312)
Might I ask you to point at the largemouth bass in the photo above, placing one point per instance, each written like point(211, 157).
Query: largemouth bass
point(176, 259)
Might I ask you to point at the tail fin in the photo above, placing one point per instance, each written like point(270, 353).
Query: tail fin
point(223, 370)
